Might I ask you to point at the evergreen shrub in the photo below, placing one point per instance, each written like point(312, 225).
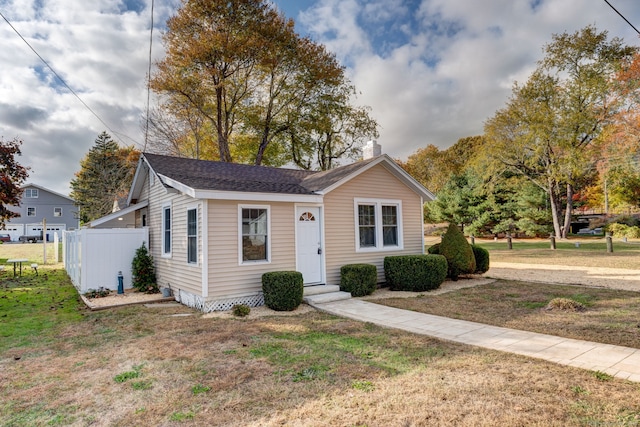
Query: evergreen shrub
point(434, 250)
point(482, 259)
point(143, 272)
point(282, 290)
point(458, 252)
point(415, 273)
point(358, 279)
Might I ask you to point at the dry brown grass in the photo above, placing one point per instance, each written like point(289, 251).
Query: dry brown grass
point(610, 316)
point(309, 369)
point(369, 376)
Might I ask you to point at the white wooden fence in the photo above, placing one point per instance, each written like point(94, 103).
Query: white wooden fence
point(93, 257)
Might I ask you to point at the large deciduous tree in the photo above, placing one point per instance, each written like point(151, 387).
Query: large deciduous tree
point(550, 124)
point(268, 95)
point(12, 176)
point(105, 175)
point(433, 167)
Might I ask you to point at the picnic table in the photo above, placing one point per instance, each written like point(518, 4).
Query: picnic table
point(15, 262)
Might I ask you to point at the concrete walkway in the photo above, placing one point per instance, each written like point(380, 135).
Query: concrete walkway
point(620, 362)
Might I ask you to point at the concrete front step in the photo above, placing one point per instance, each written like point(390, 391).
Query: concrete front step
point(320, 289)
point(324, 298)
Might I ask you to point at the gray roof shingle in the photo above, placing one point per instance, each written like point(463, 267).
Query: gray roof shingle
point(223, 176)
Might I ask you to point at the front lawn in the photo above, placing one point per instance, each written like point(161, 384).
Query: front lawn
point(610, 316)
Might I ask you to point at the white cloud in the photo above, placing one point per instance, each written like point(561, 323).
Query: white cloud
point(459, 64)
point(432, 70)
point(101, 52)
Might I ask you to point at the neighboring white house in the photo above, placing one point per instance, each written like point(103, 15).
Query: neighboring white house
point(39, 203)
point(215, 227)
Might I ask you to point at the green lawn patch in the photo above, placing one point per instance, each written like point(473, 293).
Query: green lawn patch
point(33, 307)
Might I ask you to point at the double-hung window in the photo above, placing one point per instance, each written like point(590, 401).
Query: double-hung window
point(378, 224)
point(166, 230)
point(192, 236)
point(57, 211)
point(254, 234)
point(31, 211)
point(31, 193)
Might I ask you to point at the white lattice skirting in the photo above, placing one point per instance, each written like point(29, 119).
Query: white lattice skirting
point(197, 302)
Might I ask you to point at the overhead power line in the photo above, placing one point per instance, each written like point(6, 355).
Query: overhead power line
point(57, 75)
point(622, 16)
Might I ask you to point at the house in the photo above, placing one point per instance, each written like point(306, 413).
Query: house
point(37, 204)
point(215, 227)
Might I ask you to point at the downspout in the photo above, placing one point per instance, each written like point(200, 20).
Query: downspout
point(205, 248)
point(422, 222)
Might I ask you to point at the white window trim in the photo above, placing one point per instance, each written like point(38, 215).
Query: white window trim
point(166, 206)
point(54, 211)
point(35, 212)
point(31, 192)
point(193, 208)
point(378, 203)
point(269, 238)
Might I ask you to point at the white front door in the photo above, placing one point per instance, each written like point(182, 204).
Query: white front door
point(309, 244)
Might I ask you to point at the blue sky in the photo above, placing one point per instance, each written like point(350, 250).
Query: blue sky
point(432, 71)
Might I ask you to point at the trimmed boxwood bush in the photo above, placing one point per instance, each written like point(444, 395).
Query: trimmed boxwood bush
point(482, 259)
point(415, 273)
point(481, 256)
point(282, 290)
point(458, 252)
point(359, 279)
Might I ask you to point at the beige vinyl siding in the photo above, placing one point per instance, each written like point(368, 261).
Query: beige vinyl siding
point(174, 271)
point(227, 277)
point(340, 228)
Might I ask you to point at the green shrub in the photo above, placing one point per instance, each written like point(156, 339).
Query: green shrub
point(101, 292)
point(458, 252)
point(435, 249)
point(415, 273)
point(282, 290)
point(143, 271)
point(482, 259)
point(623, 230)
point(240, 310)
point(358, 279)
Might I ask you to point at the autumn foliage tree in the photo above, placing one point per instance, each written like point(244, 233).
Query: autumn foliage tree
point(550, 126)
point(267, 94)
point(12, 176)
point(105, 175)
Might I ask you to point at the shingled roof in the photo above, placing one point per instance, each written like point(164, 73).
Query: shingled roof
point(205, 175)
point(224, 176)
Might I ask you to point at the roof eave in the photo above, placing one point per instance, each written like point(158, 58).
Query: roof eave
point(257, 196)
point(117, 214)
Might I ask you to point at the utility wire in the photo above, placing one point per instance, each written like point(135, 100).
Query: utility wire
point(146, 128)
point(622, 16)
point(57, 75)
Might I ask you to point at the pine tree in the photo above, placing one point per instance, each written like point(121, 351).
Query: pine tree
point(106, 173)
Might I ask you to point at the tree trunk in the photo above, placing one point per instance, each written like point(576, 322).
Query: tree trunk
point(568, 212)
point(555, 211)
point(223, 142)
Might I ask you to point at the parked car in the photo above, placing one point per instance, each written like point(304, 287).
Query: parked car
point(5, 237)
point(587, 231)
point(32, 239)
